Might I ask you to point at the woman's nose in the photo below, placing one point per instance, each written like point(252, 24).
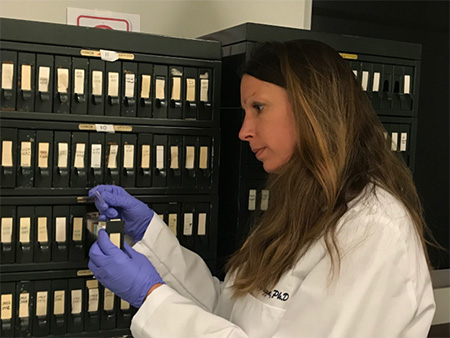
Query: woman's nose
point(246, 132)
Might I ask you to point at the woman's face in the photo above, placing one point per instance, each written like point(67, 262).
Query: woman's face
point(269, 125)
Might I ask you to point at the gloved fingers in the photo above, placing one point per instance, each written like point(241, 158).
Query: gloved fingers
point(101, 273)
point(111, 213)
point(106, 212)
point(93, 267)
point(108, 194)
point(118, 190)
point(133, 254)
point(120, 199)
point(128, 249)
point(100, 205)
point(105, 244)
point(91, 192)
point(102, 188)
point(96, 255)
point(114, 196)
point(100, 202)
point(99, 189)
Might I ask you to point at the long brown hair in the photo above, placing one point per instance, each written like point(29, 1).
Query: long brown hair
point(342, 148)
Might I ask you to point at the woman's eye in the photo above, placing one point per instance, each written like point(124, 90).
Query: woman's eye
point(258, 107)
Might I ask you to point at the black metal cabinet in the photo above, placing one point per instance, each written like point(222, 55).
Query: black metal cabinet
point(72, 118)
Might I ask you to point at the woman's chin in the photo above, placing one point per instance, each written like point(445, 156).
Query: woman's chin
point(268, 168)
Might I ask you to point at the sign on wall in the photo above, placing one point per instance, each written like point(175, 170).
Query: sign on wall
point(103, 19)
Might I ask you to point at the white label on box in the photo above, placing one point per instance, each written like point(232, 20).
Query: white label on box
point(264, 199)
point(7, 157)
point(365, 80)
point(204, 88)
point(79, 155)
point(76, 301)
point(394, 138)
point(79, 81)
point(58, 302)
point(6, 300)
point(190, 90)
point(43, 154)
point(160, 89)
point(93, 300)
point(44, 79)
point(112, 157)
point(190, 157)
point(407, 84)
point(63, 153)
point(93, 283)
point(160, 157)
point(26, 77)
point(108, 300)
point(252, 199)
point(24, 305)
point(96, 156)
point(203, 157)
point(115, 239)
point(174, 157)
point(60, 229)
point(7, 75)
point(97, 82)
point(129, 85)
point(403, 141)
point(7, 229)
point(25, 154)
point(188, 222)
point(201, 231)
point(128, 156)
point(42, 235)
point(145, 156)
point(113, 84)
point(173, 223)
point(376, 82)
point(24, 229)
point(124, 305)
point(145, 86)
point(77, 234)
point(63, 80)
point(41, 303)
point(176, 88)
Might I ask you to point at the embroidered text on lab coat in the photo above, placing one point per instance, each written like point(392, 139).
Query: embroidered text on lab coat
point(283, 296)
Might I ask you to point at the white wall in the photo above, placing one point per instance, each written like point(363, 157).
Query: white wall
point(442, 298)
point(441, 284)
point(174, 18)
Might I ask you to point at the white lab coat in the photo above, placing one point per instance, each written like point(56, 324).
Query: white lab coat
point(383, 288)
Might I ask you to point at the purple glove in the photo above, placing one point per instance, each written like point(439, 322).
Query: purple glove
point(119, 203)
point(128, 273)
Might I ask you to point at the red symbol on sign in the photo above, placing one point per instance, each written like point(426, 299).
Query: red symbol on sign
point(103, 22)
point(103, 27)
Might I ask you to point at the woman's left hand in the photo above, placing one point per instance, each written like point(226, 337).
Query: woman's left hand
point(128, 273)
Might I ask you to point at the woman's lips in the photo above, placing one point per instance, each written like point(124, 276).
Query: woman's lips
point(258, 152)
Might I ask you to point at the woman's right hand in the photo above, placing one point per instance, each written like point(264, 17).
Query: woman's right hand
point(120, 204)
point(128, 273)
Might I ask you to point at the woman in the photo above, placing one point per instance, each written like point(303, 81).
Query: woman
point(340, 252)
